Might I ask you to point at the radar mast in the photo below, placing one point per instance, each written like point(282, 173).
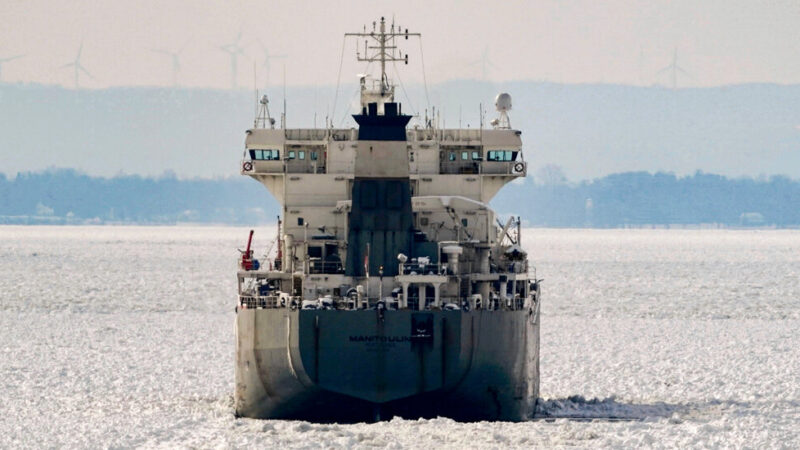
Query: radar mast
point(380, 45)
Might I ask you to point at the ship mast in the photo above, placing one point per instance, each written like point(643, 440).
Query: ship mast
point(384, 49)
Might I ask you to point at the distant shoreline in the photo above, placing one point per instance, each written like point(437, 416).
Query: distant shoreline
point(676, 227)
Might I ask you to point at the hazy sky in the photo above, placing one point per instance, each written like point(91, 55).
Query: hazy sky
point(717, 42)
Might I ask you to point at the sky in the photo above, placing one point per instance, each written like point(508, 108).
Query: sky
point(565, 41)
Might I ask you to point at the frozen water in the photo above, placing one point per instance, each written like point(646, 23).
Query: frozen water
point(117, 336)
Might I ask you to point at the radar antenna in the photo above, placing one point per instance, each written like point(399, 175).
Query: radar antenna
point(263, 118)
point(503, 104)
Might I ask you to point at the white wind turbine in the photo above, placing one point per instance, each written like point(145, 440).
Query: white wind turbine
point(673, 70)
point(485, 63)
point(176, 60)
point(267, 58)
point(5, 60)
point(234, 50)
point(78, 67)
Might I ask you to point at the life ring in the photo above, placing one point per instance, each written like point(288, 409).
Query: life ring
point(247, 166)
point(519, 167)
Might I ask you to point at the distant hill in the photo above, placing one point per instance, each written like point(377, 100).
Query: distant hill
point(588, 130)
point(619, 200)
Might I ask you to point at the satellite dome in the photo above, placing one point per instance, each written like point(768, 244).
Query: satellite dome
point(503, 102)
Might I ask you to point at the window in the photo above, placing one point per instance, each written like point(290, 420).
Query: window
point(452, 156)
point(291, 154)
point(265, 155)
point(313, 156)
point(501, 155)
point(300, 220)
point(464, 222)
point(301, 154)
point(464, 156)
point(476, 156)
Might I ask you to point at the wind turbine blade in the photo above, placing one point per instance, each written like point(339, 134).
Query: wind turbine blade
point(83, 69)
point(80, 50)
point(679, 69)
point(65, 66)
point(664, 70)
point(11, 58)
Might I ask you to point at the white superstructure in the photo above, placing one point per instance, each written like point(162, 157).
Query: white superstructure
point(453, 174)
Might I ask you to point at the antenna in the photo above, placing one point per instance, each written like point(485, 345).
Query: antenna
point(255, 87)
point(283, 116)
point(503, 105)
point(234, 50)
point(262, 117)
point(5, 60)
point(78, 67)
point(383, 49)
point(673, 69)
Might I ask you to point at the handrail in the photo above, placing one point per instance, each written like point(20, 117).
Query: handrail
point(422, 269)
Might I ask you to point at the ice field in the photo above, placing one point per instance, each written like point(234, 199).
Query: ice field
point(123, 337)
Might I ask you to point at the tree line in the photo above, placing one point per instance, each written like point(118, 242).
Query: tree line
point(618, 200)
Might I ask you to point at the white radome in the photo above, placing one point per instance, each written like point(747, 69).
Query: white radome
point(503, 102)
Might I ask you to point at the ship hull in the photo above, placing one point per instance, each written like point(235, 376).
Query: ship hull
point(350, 366)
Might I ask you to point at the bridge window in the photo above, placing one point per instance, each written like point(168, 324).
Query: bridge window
point(264, 155)
point(476, 156)
point(501, 155)
point(291, 154)
point(313, 156)
point(464, 156)
point(301, 154)
point(452, 156)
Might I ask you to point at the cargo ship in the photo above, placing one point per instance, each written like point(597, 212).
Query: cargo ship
point(392, 288)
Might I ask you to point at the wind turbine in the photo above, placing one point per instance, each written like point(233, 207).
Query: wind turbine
point(176, 62)
point(484, 62)
point(674, 68)
point(267, 57)
point(5, 60)
point(234, 50)
point(78, 67)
